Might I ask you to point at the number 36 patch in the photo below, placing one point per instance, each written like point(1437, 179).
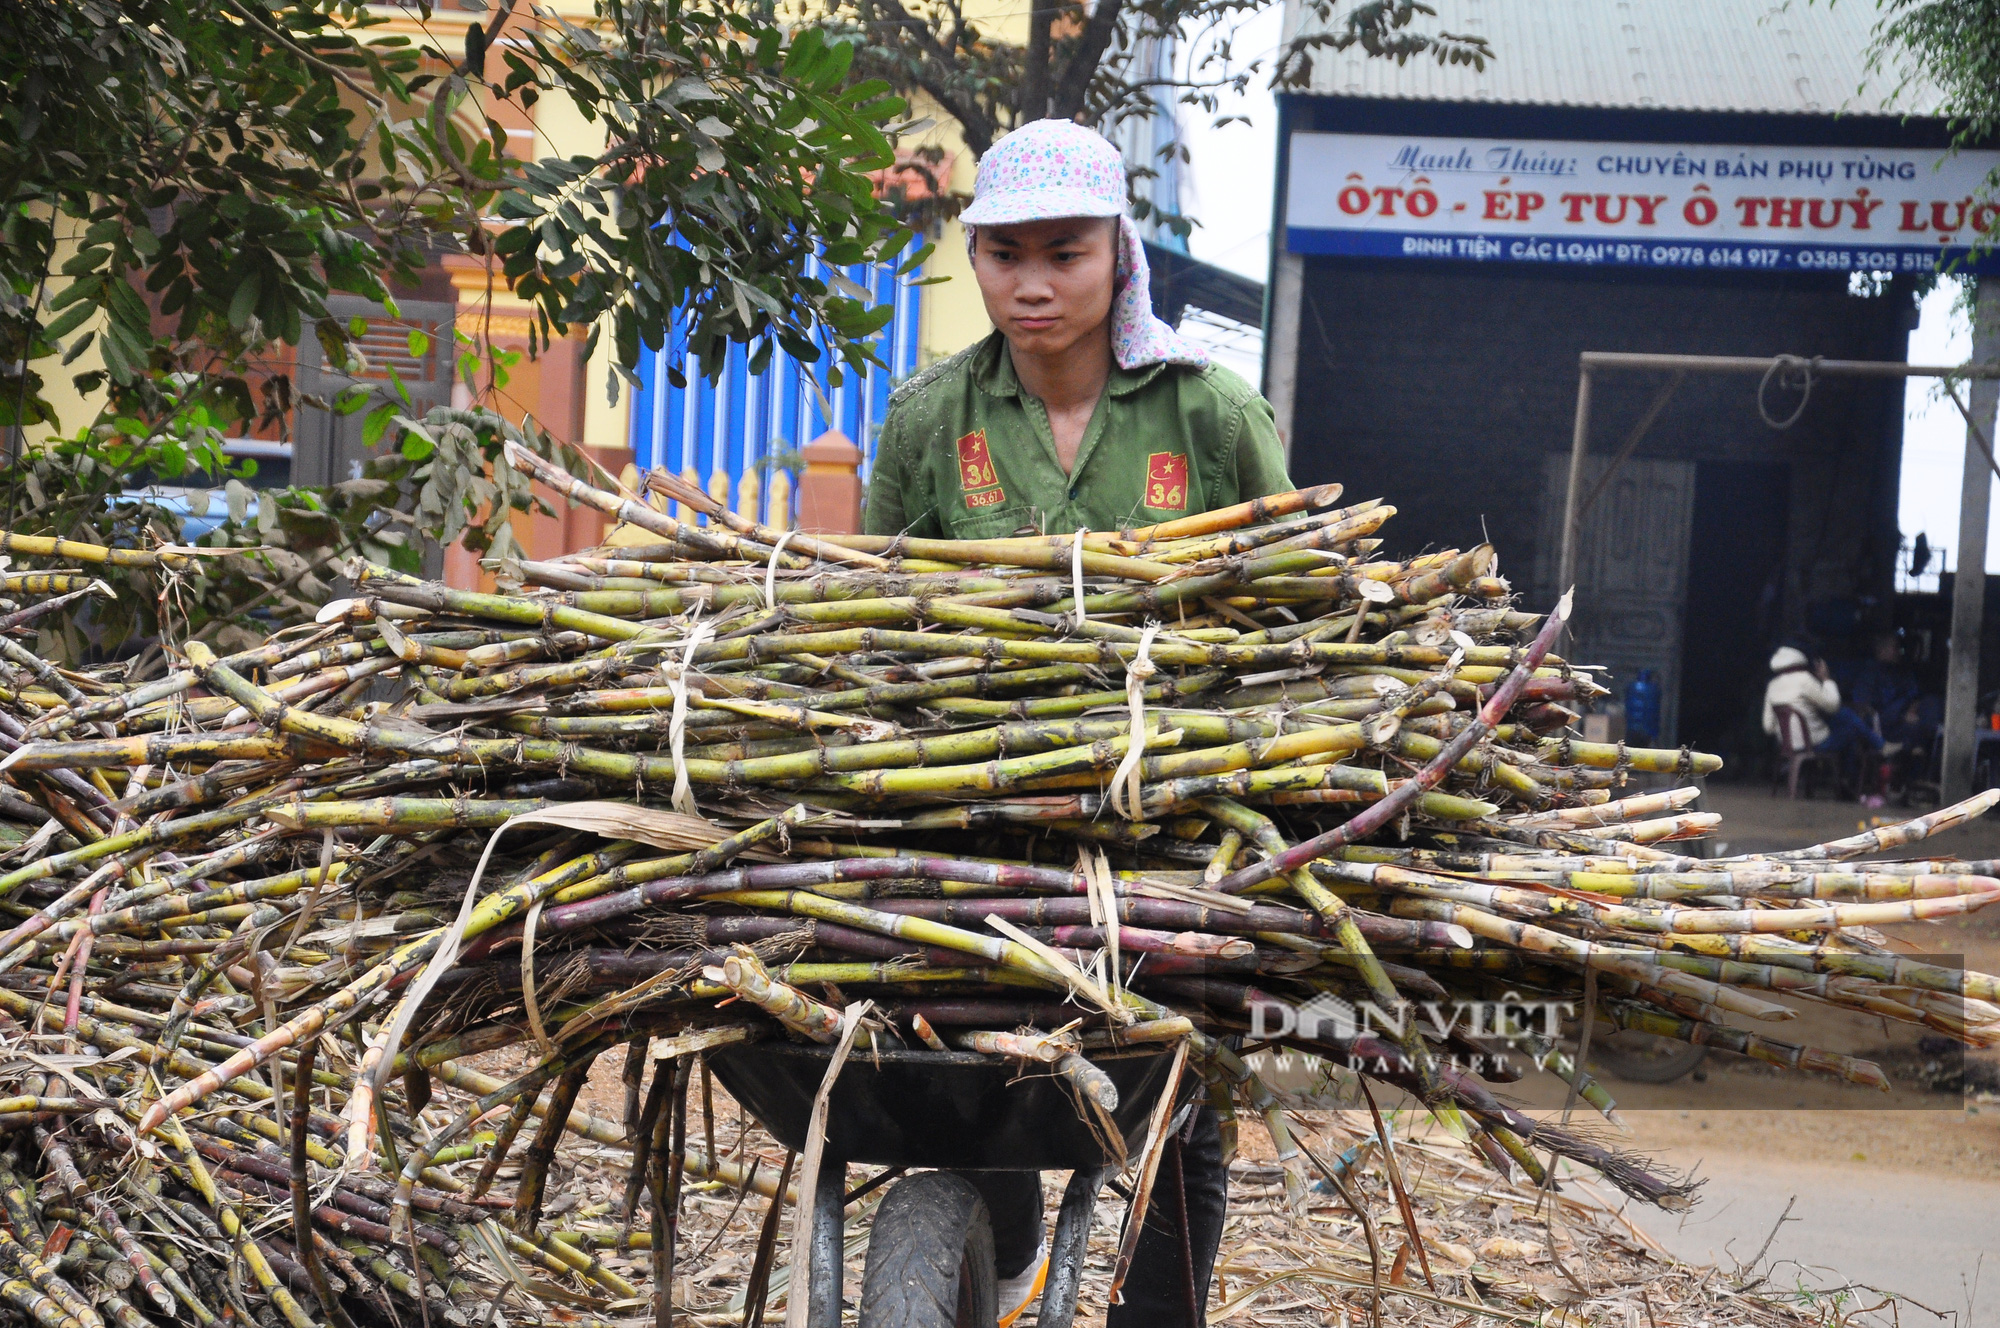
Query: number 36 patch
point(1167, 481)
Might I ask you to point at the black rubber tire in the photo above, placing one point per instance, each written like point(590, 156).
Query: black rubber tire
point(930, 1258)
point(1642, 1058)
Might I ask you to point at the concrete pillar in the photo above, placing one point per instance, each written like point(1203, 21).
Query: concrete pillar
point(1281, 346)
point(1968, 598)
point(830, 488)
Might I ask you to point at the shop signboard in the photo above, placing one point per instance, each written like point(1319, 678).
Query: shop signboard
point(1678, 205)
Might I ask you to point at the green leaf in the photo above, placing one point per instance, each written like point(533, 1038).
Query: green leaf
point(69, 321)
point(377, 423)
point(85, 262)
point(85, 288)
point(244, 302)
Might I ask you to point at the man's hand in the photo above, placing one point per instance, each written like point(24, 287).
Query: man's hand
point(1820, 670)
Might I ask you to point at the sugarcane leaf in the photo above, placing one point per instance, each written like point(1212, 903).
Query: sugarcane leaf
point(613, 820)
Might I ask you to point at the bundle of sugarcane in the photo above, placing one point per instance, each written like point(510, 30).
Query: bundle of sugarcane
point(1031, 797)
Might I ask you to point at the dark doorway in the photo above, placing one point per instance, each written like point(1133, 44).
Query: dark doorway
point(1736, 567)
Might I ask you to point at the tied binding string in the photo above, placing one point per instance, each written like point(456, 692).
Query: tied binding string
point(1076, 574)
point(676, 671)
point(771, 574)
point(1137, 673)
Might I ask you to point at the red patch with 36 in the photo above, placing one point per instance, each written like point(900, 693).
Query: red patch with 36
point(975, 470)
point(1167, 481)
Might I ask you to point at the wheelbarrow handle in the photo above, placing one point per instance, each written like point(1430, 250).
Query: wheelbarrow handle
point(827, 1247)
point(1065, 1278)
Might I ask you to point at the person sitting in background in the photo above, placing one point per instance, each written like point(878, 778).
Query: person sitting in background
point(1884, 687)
point(1887, 691)
point(1807, 686)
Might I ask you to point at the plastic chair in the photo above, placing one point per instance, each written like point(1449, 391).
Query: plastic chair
point(1797, 756)
point(1924, 783)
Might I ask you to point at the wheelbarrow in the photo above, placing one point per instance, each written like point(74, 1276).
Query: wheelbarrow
point(930, 1265)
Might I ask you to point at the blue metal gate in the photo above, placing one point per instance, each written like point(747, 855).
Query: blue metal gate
point(738, 437)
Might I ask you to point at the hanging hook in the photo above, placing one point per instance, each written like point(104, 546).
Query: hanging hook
point(1794, 372)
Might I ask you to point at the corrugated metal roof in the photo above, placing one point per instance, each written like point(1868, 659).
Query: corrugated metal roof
point(1785, 56)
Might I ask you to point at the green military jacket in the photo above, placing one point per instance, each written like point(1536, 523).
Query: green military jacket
point(967, 454)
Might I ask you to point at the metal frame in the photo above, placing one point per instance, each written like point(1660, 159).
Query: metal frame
point(827, 1244)
point(1591, 361)
point(1963, 667)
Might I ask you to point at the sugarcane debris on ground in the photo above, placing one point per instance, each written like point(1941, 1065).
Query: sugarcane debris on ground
point(1042, 799)
point(1498, 1251)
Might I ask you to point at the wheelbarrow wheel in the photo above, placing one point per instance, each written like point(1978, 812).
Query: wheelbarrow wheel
point(1643, 1058)
point(930, 1258)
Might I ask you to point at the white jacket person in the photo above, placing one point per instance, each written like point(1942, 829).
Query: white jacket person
point(1794, 684)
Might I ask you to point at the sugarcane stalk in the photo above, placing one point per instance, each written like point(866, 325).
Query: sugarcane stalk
point(743, 973)
point(669, 1145)
point(503, 1143)
point(302, 1232)
point(527, 1212)
point(1391, 806)
point(1047, 1049)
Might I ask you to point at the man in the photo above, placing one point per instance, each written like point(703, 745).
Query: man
point(1807, 686)
point(1887, 691)
point(1081, 410)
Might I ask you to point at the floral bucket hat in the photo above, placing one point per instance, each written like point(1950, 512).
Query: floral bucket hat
point(1050, 169)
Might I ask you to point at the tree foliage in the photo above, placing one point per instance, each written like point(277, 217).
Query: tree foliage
point(1954, 45)
point(1090, 63)
point(184, 183)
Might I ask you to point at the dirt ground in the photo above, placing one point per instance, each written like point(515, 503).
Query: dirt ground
point(1497, 1251)
point(1755, 822)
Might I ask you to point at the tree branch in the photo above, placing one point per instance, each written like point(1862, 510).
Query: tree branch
point(440, 111)
point(1082, 65)
point(1034, 102)
point(975, 124)
point(243, 11)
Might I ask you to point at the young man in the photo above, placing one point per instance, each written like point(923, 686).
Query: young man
point(1081, 410)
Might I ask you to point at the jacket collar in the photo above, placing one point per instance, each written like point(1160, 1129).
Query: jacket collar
point(993, 371)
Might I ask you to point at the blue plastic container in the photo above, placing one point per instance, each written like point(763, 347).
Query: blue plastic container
point(1642, 710)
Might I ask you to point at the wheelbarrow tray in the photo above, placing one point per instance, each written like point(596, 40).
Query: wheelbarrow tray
point(945, 1109)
